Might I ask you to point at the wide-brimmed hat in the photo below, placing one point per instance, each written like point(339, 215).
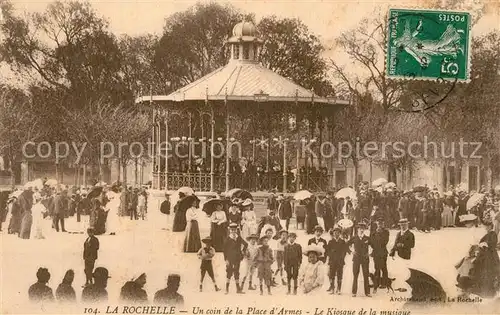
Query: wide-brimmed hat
point(362, 225)
point(252, 237)
point(233, 226)
point(314, 248)
point(318, 228)
point(207, 240)
point(263, 237)
point(236, 201)
point(403, 221)
point(335, 228)
point(282, 231)
point(247, 202)
point(101, 273)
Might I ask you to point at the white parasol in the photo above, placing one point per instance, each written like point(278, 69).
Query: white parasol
point(302, 194)
point(346, 192)
point(37, 183)
point(51, 182)
point(390, 185)
point(100, 184)
point(379, 182)
point(188, 191)
point(231, 192)
point(474, 200)
point(467, 217)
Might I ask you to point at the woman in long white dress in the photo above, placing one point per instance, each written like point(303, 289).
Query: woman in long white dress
point(248, 220)
point(192, 242)
point(38, 212)
point(112, 208)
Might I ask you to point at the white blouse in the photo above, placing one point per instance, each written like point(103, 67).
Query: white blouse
point(191, 214)
point(218, 217)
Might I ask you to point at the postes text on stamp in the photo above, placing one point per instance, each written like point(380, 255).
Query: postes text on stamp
point(428, 45)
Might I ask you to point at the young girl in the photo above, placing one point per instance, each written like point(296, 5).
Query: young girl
point(206, 254)
point(250, 254)
point(465, 265)
point(264, 260)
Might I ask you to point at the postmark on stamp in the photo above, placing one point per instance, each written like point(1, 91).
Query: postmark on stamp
point(430, 45)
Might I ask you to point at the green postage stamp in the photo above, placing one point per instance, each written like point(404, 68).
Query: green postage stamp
point(428, 45)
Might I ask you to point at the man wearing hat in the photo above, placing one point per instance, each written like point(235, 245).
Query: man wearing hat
point(96, 292)
point(234, 249)
point(379, 240)
point(318, 240)
point(292, 261)
point(40, 292)
point(284, 211)
point(405, 241)
point(360, 259)
point(90, 249)
point(336, 251)
point(272, 203)
point(312, 276)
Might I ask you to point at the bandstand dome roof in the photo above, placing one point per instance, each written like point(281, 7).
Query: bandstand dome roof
point(243, 80)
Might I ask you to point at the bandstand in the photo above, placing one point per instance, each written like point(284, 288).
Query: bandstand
point(196, 128)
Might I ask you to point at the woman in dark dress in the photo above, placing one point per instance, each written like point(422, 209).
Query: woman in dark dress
point(98, 216)
point(180, 215)
point(462, 209)
point(15, 218)
point(486, 270)
point(65, 292)
point(311, 219)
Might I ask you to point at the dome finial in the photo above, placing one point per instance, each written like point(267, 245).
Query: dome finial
point(245, 28)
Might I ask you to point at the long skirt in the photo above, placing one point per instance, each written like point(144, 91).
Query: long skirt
point(26, 222)
point(311, 222)
point(192, 242)
point(248, 228)
point(100, 226)
point(218, 235)
point(179, 221)
point(447, 217)
point(15, 223)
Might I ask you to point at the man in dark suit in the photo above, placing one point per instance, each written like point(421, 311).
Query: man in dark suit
point(60, 209)
point(336, 251)
point(379, 240)
point(318, 240)
point(234, 249)
point(405, 241)
point(272, 203)
point(360, 259)
point(284, 211)
point(90, 248)
point(169, 295)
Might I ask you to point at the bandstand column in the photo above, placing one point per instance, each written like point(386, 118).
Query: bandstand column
point(284, 166)
point(212, 138)
point(166, 150)
point(153, 151)
point(228, 145)
point(158, 156)
point(298, 143)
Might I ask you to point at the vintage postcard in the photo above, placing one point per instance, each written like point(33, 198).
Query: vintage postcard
point(250, 157)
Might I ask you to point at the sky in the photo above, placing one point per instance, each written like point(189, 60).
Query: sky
point(327, 19)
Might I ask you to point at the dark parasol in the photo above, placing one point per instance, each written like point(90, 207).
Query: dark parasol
point(425, 287)
point(186, 202)
point(210, 205)
point(95, 192)
point(243, 194)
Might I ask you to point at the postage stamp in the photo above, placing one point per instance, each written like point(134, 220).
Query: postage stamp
point(428, 45)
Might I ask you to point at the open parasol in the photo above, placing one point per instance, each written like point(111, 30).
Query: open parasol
point(243, 194)
point(474, 200)
point(419, 188)
point(424, 287)
point(390, 185)
point(100, 184)
point(95, 192)
point(379, 182)
point(346, 192)
point(51, 182)
point(231, 193)
point(302, 194)
point(188, 191)
point(187, 201)
point(210, 205)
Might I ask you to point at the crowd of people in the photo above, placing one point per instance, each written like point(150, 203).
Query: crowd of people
point(101, 207)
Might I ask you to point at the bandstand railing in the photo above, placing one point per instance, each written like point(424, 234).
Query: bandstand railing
point(262, 182)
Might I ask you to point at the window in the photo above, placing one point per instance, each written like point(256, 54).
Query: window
point(246, 51)
point(236, 51)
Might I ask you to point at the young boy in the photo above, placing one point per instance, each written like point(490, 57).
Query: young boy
point(206, 254)
point(318, 240)
point(264, 260)
point(292, 258)
point(250, 254)
point(279, 253)
point(336, 251)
